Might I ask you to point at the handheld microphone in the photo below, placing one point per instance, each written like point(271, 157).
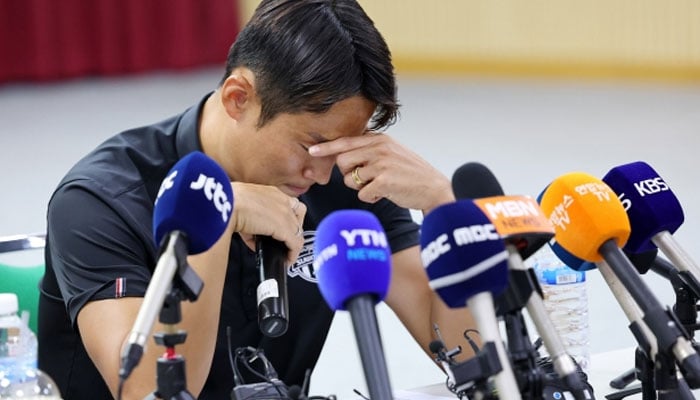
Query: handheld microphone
point(590, 222)
point(191, 213)
point(353, 265)
point(522, 224)
point(273, 302)
point(466, 262)
point(654, 213)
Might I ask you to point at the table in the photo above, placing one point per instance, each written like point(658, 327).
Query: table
point(604, 367)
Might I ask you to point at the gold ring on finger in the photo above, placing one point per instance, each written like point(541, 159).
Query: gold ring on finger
point(356, 176)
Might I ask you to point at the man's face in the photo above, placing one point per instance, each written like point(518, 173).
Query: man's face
point(277, 153)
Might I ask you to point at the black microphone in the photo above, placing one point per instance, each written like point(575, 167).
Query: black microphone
point(273, 303)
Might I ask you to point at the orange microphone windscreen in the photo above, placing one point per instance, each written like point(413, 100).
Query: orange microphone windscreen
point(585, 213)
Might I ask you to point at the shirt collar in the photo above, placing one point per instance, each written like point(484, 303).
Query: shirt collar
point(187, 131)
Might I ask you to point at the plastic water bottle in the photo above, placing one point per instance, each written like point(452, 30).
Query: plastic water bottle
point(19, 376)
point(566, 301)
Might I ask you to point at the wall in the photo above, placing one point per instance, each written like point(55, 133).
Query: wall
point(646, 39)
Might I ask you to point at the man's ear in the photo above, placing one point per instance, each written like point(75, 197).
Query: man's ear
point(238, 92)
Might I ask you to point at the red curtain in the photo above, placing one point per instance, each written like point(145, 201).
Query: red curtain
point(55, 39)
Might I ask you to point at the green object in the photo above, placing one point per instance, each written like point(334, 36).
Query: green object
point(24, 282)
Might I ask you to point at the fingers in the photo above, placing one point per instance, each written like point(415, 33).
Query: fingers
point(356, 178)
point(362, 179)
point(379, 167)
point(299, 210)
point(344, 144)
point(265, 210)
point(290, 229)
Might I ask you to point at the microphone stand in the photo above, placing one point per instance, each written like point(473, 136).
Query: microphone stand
point(531, 375)
point(470, 378)
point(687, 291)
point(528, 374)
point(668, 386)
point(170, 369)
point(658, 377)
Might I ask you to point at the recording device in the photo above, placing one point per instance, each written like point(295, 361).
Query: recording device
point(191, 213)
point(654, 213)
point(273, 303)
point(524, 228)
point(271, 387)
point(353, 265)
point(466, 262)
point(591, 224)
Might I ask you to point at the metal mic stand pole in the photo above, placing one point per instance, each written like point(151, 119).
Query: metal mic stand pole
point(524, 357)
point(170, 370)
point(686, 304)
point(662, 377)
point(668, 387)
point(687, 290)
point(530, 377)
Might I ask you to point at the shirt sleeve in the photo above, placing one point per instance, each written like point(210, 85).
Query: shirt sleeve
point(96, 252)
point(401, 230)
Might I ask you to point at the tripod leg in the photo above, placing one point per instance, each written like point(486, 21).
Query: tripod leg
point(624, 379)
point(171, 380)
point(619, 395)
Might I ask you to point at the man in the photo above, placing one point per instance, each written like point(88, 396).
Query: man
point(294, 123)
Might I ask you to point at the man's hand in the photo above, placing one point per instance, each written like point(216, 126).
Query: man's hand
point(380, 167)
point(266, 210)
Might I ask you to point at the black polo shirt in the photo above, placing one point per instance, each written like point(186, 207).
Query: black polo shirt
point(100, 246)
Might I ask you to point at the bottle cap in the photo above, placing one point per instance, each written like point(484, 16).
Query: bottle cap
point(8, 303)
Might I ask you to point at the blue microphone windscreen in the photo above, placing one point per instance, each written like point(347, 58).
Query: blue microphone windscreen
point(195, 198)
point(462, 253)
point(650, 204)
point(352, 257)
point(569, 259)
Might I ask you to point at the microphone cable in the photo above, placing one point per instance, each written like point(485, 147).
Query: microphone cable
point(236, 374)
point(120, 388)
point(471, 341)
point(357, 392)
point(247, 355)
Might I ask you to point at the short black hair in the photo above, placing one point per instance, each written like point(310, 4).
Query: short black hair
point(309, 54)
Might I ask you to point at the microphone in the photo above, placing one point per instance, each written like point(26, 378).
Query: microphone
point(353, 265)
point(191, 212)
point(518, 219)
point(466, 262)
point(654, 213)
point(522, 224)
point(642, 262)
point(273, 302)
point(590, 222)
